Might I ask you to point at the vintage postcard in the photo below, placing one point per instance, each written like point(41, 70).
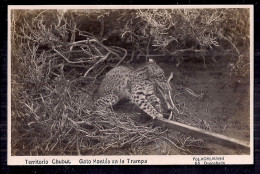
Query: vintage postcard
point(130, 85)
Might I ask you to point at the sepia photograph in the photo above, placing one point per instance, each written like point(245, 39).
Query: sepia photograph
point(130, 85)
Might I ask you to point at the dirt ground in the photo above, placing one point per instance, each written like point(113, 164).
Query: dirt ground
point(225, 104)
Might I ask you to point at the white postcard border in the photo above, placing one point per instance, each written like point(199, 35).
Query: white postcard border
point(136, 159)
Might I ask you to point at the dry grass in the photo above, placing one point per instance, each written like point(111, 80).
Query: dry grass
point(58, 119)
point(57, 60)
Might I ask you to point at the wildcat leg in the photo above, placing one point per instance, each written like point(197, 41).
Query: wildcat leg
point(106, 102)
point(155, 101)
point(152, 98)
point(140, 100)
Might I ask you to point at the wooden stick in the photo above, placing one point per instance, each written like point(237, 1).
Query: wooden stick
point(206, 135)
point(69, 61)
point(169, 93)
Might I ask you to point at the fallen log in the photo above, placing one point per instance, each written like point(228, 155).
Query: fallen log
point(206, 135)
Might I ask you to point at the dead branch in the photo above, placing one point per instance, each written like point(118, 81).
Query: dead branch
point(229, 42)
point(68, 59)
point(99, 61)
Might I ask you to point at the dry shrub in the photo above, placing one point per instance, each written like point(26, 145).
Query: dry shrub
point(58, 55)
point(59, 120)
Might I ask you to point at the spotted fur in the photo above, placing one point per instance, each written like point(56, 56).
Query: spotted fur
point(137, 85)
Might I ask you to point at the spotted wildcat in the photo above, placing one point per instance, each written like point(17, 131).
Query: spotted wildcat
point(138, 85)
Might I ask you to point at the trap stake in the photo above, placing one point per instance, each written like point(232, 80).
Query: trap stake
point(206, 135)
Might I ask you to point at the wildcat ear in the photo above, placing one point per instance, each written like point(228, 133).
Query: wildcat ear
point(143, 72)
point(151, 65)
point(151, 60)
point(147, 69)
point(151, 68)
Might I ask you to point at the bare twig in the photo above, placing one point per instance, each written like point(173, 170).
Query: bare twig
point(147, 50)
point(99, 61)
point(67, 58)
point(123, 56)
point(230, 43)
